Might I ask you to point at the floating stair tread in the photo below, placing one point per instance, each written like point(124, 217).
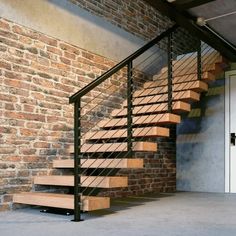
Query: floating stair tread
point(192, 68)
point(187, 80)
point(122, 133)
point(159, 87)
point(101, 163)
point(178, 106)
point(166, 118)
point(187, 96)
point(86, 181)
point(65, 201)
point(190, 61)
point(116, 147)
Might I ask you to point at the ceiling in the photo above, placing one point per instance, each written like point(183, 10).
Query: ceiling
point(219, 33)
point(226, 25)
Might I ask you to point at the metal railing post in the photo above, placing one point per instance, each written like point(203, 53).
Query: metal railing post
point(199, 60)
point(170, 70)
point(129, 106)
point(77, 161)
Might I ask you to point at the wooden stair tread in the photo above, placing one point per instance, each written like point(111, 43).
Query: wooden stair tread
point(161, 86)
point(187, 81)
point(166, 118)
point(190, 61)
point(116, 147)
point(101, 163)
point(86, 181)
point(122, 133)
point(187, 96)
point(214, 68)
point(65, 201)
point(177, 107)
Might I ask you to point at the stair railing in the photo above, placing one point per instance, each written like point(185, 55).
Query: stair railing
point(126, 63)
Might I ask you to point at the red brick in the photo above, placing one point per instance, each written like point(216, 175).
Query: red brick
point(24, 31)
point(65, 60)
point(5, 65)
point(13, 158)
point(8, 98)
point(8, 34)
point(16, 83)
point(4, 24)
point(5, 150)
point(27, 151)
point(25, 116)
point(41, 145)
point(69, 48)
point(19, 76)
point(69, 55)
point(12, 43)
point(54, 50)
point(48, 40)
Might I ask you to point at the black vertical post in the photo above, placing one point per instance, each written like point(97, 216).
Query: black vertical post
point(77, 161)
point(129, 107)
point(199, 60)
point(170, 71)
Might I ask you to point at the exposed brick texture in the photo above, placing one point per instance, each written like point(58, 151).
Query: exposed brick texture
point(38, 73)
point(158, 174)
point(136, 17)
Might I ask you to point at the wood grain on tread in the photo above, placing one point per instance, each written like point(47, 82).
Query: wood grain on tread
point(186, 79)
point(177, 107)
point(65, 201)
point(116, 147)
point(86, 181)
point(160, 86)
point(101, 163)
point(211, 68)
point(122, 133)
point(206, 58)
point(187, 96)
point(166, 118)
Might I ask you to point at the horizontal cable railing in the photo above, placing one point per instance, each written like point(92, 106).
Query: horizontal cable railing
point(96, 130)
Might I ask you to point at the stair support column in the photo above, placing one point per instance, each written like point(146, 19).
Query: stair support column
point(129, 107)
point(199, 60)
point(77, 161)
point(170, 70)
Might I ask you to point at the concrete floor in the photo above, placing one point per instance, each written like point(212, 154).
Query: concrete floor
point(181, 214)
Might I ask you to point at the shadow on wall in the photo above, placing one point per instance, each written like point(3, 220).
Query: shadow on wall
point(200, 144)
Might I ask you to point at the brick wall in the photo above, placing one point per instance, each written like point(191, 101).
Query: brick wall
point(136, 17)
point(38, 73)
point(158, 174)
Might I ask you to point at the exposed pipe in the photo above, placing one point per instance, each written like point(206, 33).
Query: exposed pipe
point(220, 16)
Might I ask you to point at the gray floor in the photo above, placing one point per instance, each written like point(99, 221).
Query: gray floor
point(181, 214)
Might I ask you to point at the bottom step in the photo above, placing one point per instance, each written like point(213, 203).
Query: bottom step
point(65, 201)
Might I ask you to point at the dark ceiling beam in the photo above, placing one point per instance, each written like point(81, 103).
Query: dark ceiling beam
point(187, 4)
point(205, 35)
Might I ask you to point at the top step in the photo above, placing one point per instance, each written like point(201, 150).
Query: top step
point(214, 69)
point(189, 61)
point(188, 65)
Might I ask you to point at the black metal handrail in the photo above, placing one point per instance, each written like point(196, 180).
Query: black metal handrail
point(120, 65)
point(76, 99)
point(128, 63)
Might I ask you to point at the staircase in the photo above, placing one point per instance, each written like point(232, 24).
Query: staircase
point(145, 115)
